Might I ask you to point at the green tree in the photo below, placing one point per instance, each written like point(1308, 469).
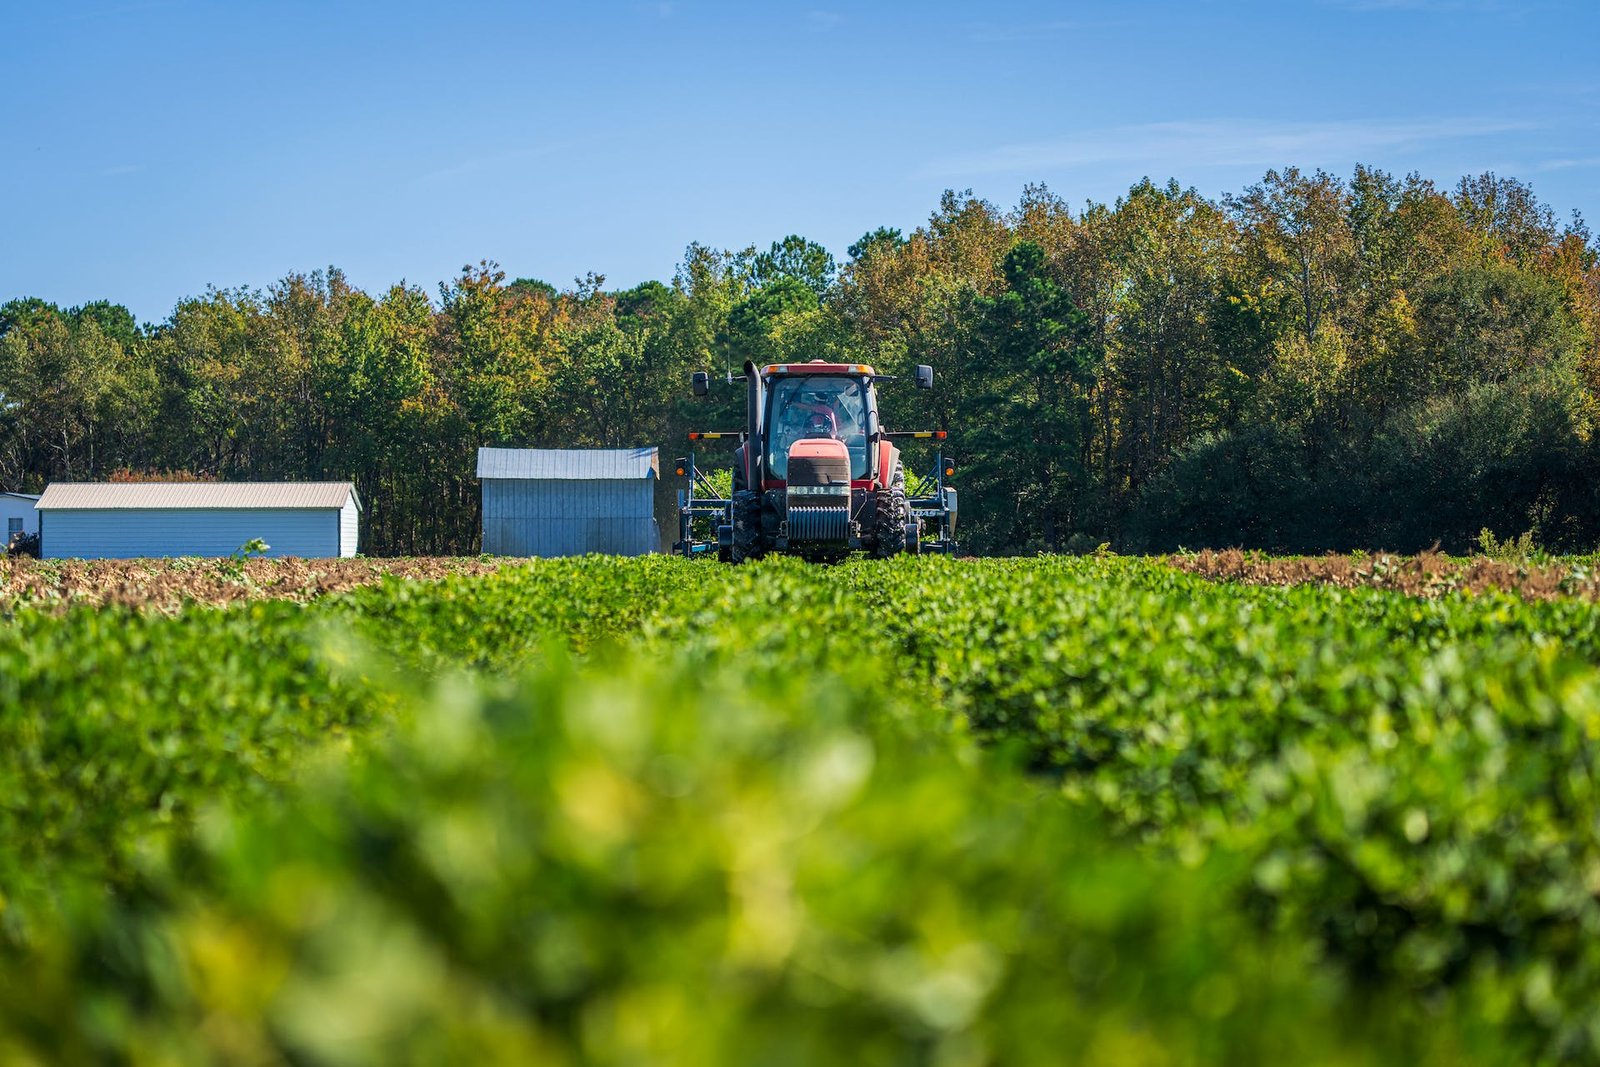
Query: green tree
point(391, 423)
point(498, 348)
point(75, 399)
point(1169, 249)
point(1296, 237)
point(879, 240)
point(1507, 216)
point(1489, 323)
point(795, 258)
point(113, 320)
point(1028, 438)
point(217, 361)
point(775, 323)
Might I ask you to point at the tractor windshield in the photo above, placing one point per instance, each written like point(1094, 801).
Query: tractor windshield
point(816, 406)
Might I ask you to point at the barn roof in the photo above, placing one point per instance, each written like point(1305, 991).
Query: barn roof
point(589, 464)
point(269, 496)
point(21, 496)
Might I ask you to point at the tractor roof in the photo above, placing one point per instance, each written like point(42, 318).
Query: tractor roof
point(816, 366)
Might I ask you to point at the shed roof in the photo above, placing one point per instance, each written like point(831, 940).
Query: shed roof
point(95, 496)
point(567, 463)
point(21, 496)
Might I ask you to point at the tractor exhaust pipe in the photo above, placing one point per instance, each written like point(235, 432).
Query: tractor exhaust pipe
point(755, 445)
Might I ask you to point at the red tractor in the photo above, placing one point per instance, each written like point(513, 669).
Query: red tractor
point(815, 474)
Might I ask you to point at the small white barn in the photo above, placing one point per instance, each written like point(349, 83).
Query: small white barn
point(130, 520)
point(17, 515)
point(569, 501)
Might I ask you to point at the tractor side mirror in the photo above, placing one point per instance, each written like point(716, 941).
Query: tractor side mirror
point(924, 376)
point(700, 383)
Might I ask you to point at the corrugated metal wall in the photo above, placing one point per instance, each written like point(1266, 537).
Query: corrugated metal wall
point(349, 528)
point(15, 507)
point(539, 517)
point(125, 533)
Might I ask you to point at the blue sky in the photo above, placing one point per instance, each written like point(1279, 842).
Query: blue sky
point(149, 148)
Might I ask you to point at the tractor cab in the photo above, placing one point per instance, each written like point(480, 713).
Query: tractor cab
point(813, 407)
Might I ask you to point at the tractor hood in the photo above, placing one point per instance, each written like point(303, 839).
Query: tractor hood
point(818, 493)
point(817, 462)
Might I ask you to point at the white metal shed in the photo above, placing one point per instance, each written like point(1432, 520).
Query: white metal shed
point(153, 519)
point(17, 515)
point(569, 501)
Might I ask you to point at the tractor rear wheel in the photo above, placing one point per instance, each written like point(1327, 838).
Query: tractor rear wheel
point(893, 515)
point(746, 526)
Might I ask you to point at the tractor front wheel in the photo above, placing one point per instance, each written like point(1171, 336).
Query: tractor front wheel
point(893, 516)
point(746, 526)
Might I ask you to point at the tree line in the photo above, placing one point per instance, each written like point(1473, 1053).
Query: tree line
point(1313, 363)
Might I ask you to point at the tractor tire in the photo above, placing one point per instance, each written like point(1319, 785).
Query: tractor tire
point(893, 514)
point(746, 526)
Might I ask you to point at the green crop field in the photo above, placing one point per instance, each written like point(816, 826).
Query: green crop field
point(926, 811)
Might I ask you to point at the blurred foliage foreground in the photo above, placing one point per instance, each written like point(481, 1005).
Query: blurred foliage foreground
point(654, 811)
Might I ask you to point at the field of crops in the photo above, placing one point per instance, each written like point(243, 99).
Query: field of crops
point(929, 811)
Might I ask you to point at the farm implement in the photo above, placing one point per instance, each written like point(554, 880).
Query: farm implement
point(815, 474)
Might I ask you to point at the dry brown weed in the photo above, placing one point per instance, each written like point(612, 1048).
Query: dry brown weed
point(170, 585)
point(1426, 574)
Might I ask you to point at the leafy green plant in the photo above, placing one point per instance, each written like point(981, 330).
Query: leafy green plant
point(656, 864)
point(921, 810)
point(1507, 550)
point(253, 548)
point(721, 482)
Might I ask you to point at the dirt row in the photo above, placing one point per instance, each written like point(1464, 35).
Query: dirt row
point(1428, 574)
point(169, 585)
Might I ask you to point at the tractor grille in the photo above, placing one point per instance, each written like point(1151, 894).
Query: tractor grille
point(819, 470)
point(819, 523)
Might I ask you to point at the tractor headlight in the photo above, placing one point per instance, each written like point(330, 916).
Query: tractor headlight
point(818, 496)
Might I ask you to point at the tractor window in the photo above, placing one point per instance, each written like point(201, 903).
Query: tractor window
point(816, 406)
